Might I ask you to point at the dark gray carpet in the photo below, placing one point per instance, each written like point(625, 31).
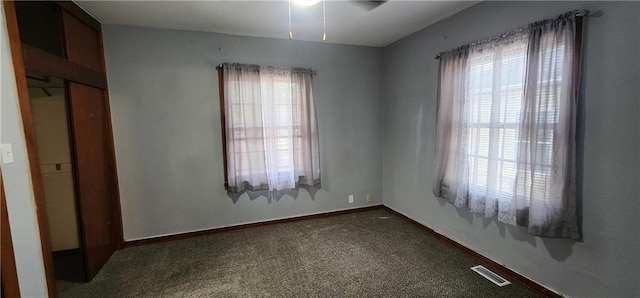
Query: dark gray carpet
point(366, 254)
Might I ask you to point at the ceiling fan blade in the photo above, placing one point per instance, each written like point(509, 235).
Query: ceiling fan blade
point(368, 4)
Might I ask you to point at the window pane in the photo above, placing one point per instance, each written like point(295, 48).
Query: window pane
point(494, 100)
point(265, 118)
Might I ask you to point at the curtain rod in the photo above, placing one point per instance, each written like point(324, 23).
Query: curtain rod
point(578, 13)
point(291, 68)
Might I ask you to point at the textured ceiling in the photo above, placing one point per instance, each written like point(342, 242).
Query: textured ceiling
point(346, 22)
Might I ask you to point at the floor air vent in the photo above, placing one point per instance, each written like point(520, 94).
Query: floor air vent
point(488, 274)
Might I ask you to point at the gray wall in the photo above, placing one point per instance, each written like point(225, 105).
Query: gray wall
point(167, 130)
point(17, 181)
point(166, 121)
point(606, 263)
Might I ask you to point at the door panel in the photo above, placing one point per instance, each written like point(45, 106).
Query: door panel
point(94, 194)
point(82, 43)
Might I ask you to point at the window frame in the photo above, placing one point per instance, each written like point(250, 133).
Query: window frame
point(502, 127)
point(223, 122)
point(550, 209)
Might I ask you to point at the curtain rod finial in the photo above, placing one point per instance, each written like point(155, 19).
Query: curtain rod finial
point(583, 13)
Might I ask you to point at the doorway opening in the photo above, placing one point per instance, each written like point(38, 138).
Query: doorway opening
point(59, 65)
point(50, 112)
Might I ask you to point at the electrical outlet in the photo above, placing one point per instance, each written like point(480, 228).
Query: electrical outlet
point(350, 199)
point(369, 198)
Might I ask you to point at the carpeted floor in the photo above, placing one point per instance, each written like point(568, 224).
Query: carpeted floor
point(366, 254)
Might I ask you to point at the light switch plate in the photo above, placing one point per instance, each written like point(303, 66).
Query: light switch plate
point(7, 153)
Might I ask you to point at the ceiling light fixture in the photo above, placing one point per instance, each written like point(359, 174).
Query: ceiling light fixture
point(306, 2)
point(310, 3)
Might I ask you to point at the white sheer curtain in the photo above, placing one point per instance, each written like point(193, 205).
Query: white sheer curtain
point(506, 139)
point(271, 128)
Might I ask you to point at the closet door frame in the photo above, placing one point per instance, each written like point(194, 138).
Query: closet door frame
point(27, 58)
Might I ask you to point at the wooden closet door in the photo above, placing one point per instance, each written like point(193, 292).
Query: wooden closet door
point(92, 140)
point(94, 195)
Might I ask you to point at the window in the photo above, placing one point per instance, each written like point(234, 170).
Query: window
point(506, 126)
point(270, 129)
point(497, 123)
